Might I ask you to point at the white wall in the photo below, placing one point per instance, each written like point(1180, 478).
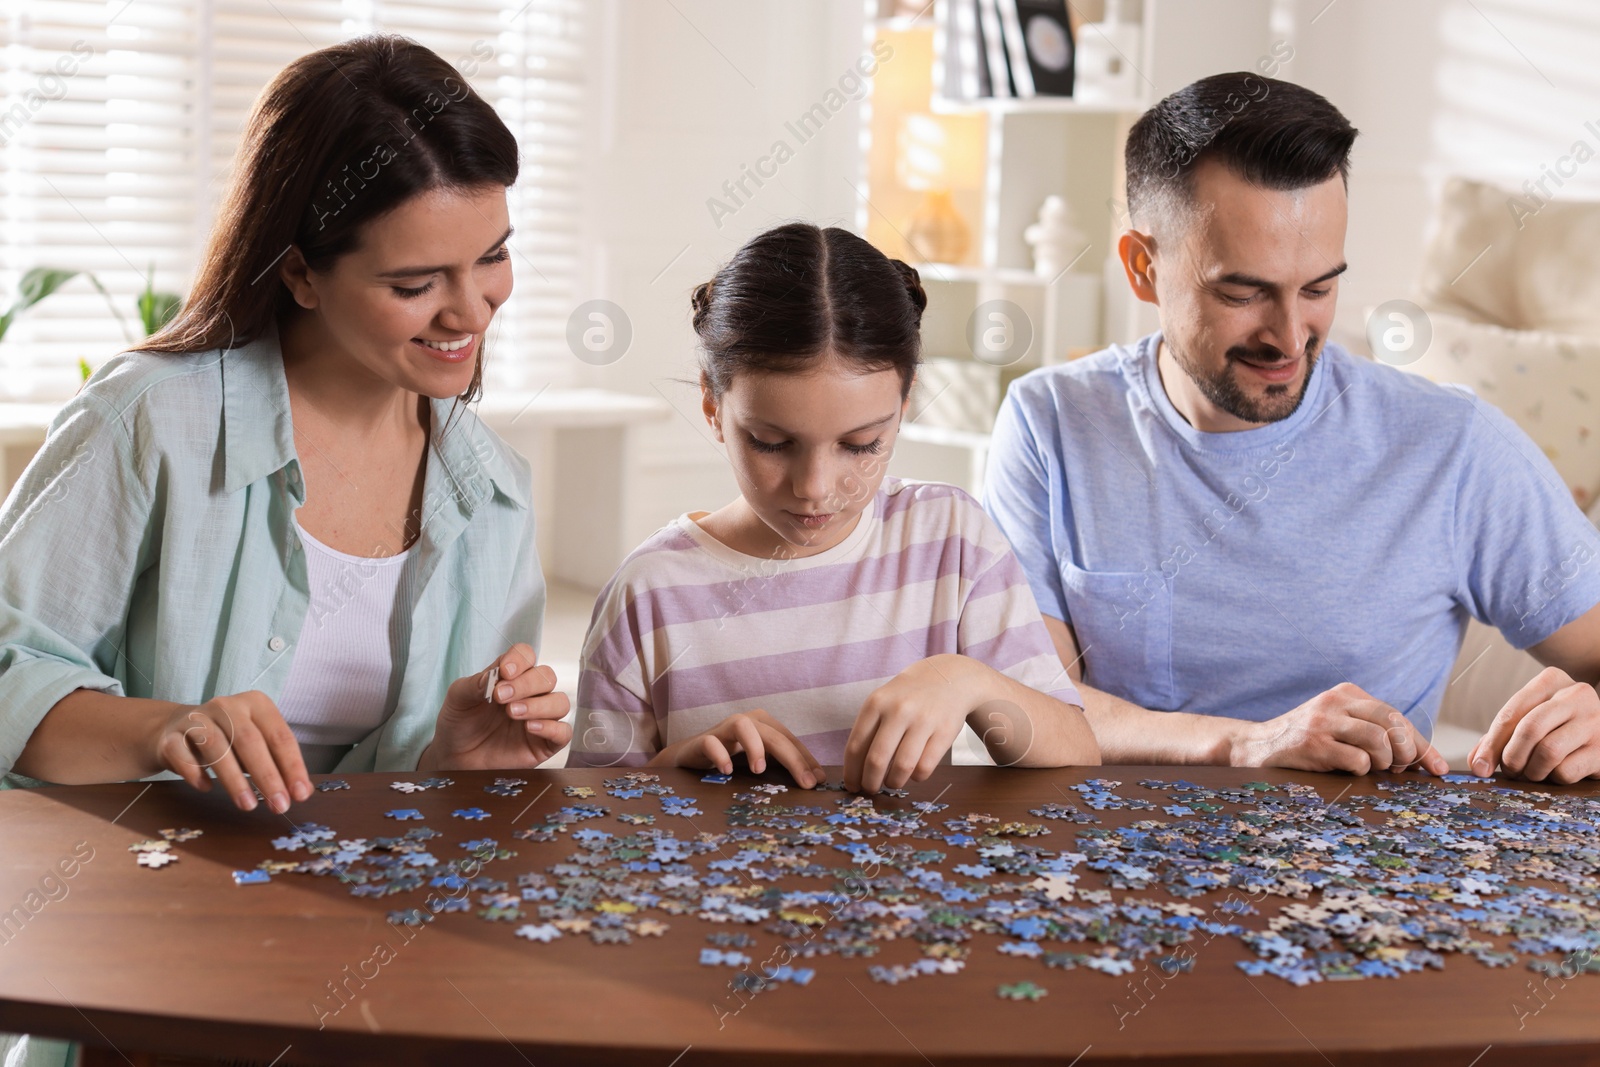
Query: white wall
point(1487, 89)
point(684, 93)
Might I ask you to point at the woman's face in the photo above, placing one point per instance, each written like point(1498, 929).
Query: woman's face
point(411, 303)
point(808, 450)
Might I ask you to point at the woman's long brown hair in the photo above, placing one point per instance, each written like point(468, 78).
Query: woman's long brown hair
point(341, 136)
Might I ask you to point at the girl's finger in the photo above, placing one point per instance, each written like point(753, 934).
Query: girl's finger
point(714, 752)
point(907, 754)
point(788, 753)
point(937, 746)
point(856, 746)
point(748, 735)
point(879, 759)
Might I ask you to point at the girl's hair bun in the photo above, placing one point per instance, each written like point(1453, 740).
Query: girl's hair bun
point(913, 280)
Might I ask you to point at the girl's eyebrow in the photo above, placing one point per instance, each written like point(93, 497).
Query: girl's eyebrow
point(413, 272)
point(764, 424)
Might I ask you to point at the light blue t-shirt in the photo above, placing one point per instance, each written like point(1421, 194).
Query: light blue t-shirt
point(1243, 573)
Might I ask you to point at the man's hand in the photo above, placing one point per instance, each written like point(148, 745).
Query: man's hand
point(518, 728)
point(1343, 729)
point(1548, 731)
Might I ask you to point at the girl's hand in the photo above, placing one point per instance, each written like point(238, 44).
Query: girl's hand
point(907, 724)
point(518, 728)
point(756, 734)
point(234, 736)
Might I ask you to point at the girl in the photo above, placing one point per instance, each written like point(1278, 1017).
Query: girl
point(828, 615)
point(274, 539)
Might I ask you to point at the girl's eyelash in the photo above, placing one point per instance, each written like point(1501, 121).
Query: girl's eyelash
point(870, 449)
point(767, 446)
point(500, 256)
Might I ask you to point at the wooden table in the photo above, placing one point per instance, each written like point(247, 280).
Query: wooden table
point(182, 961)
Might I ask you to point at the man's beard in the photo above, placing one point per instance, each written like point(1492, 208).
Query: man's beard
point(1223, 390)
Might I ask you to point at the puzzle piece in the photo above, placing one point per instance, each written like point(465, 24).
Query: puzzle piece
point(1022, 991)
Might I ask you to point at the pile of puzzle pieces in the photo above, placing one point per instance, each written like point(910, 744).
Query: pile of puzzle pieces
point(1371, 885)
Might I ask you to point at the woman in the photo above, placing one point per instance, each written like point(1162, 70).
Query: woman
point(274, 539)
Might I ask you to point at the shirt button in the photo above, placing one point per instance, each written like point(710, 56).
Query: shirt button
point(276, 644)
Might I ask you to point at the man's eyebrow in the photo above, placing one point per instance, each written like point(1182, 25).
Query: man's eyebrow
point(1251, 281)
point(764, 424)
point(413, 272)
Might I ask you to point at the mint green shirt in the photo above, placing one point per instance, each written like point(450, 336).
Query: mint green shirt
point(149, 550)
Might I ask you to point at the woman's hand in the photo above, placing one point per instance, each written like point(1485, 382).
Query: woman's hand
point(907, 724)
point(518, 728)
point(756, 734)
point(235, 735)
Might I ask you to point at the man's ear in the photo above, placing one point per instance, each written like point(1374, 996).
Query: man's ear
point(296, 274)
point(710, 407)
point(1137, 252)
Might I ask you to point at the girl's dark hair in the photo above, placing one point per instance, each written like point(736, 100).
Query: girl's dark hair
point(798, 292)
point(341, 136)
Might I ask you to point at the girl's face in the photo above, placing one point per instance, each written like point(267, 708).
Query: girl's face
point(410, 304)
point(808, 450)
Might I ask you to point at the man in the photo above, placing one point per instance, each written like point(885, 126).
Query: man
point(1254, 548)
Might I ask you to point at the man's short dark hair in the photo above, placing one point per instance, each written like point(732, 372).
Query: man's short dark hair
point(1274, 134)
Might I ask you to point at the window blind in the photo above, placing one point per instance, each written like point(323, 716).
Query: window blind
point(120, 122)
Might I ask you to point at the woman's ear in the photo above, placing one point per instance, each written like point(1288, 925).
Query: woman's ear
point(710, 408)
point(296, 274)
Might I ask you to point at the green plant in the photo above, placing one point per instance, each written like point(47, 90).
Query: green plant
point(156, 309)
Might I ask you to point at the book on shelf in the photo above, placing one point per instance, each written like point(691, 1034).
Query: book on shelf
point(1016, 48)
point(1048, 45)
point(1003, 49)
point(994, 49)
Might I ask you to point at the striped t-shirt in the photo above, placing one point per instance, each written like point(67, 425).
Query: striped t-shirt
point(690, 631)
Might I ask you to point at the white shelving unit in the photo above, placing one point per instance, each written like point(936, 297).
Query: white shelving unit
point(1030, 149)
point(1015, 153)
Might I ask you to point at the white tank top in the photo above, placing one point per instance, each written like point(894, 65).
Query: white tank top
point(343, 681)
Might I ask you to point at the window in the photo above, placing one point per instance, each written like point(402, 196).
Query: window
point(120, 121)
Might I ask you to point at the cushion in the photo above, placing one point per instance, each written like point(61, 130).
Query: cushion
point(1506, 258)
point(1548, 383)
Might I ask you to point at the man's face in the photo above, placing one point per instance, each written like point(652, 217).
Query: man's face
point(1247, 285)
